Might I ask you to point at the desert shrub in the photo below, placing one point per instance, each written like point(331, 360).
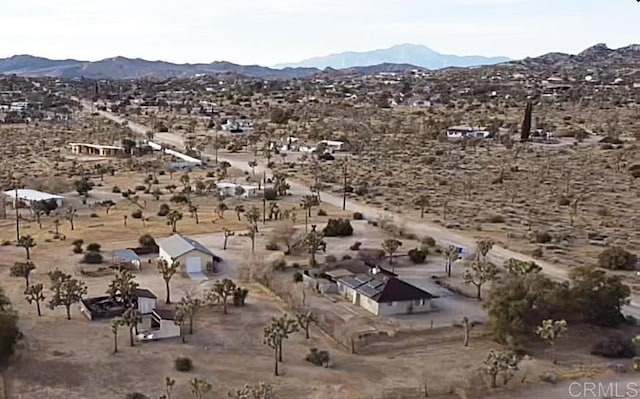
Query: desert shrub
point(161, 173)
point(136, 395)
point(318, 358)
point(270, 194)
point(358, 216)
point(542, 237)
point(279, 264)
point(183, 364)
point(147, 241)
point(115, 189)
point(164, 210)
point(6, 243)
point(346, 257)
point(563, 201)
point(92, 258)
point(428, 241)
point(297, 277)
point(355, 246)
point(322, 212)
point(94, 215)
point(635, 170)
point(537, 253)
point(272, 246)
point(496, 219)
point(330, 259)
point(616, 258)
point(417, 255)
point(361, 190)
point(179, 198)
point(137, 214)
point(338, 228)
point(77, 250)
point(140, 187)
point(125, 194)
point(616, 347)
point(94, 247)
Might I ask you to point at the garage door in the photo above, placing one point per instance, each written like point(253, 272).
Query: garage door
point(194, 265)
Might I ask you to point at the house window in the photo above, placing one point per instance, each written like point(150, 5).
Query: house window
point(389, 303)
point(418, 302)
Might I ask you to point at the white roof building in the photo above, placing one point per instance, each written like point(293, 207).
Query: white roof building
point(28, 195)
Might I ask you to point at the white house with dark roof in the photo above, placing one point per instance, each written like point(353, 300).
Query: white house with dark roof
point(192, 255)
point(384, 296)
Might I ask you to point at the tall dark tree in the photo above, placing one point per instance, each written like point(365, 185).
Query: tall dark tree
point(526, 122)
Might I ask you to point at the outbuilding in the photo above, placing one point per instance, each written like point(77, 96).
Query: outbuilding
point(29, 196)
point(192, 255)
point(162, 324)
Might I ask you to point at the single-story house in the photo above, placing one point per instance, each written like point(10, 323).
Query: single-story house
point(460, 132)
point(106, 307)
point(96, 149)
point(384, 296)
point(333, 145)
point(28, 196)
point(226, 189)
point(162, 324)
point(192, 255)
point(126, 258)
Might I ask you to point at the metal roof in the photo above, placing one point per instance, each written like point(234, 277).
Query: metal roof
point(126, 255)
point(178, 245)
point(32, 195)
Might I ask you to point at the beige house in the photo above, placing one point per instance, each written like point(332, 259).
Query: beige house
point(384, 296)
point(192, 255)
point(95, 149)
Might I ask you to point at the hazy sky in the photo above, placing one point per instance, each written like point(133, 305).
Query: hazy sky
point(271, 31)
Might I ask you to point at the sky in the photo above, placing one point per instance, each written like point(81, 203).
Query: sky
point(268, 32)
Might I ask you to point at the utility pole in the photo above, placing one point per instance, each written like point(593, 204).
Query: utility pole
point(15, 205)
point(215, 145)
point(344, 187)
point(264, 199)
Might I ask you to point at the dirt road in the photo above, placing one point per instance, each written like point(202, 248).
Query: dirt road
point(442, 235)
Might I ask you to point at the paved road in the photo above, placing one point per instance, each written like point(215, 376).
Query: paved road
point(440, 234)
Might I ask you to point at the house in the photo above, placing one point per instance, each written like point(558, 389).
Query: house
point(384, 296)
point(162, 324)
point(466, 132)
point(96, 149)
point(226, 189)
point(192, 255)
point(107, 307)
point(333, 145)
point(28, 196)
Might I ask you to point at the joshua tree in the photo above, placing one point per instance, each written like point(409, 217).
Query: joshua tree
point(169, 383)
point(286, 325)
point(251, 233)
point(33, 293)
point(131, 319)
point(483, 248)
point(124, 286)
point(390, 246)
point(70, 215)
point(304, 321)
point(450, 256)
point(550, 331)
point(253, 217)
point(116, 323)
point(27, 242)
point(521, 268)
point(273, 337)
point(65, 290)
point(423, 201)
point(306, 204)
point(167, 271)
point(480, 273)
point(467, 326)
point(22, 269)
point(260, 391)
point(314, 242)
point(227, 233)
point(199, 387)
point(252, 165)
point(173, 217)
point(187, 309)
point(500, 362)
point(222, 289)
point(239, 210)
point(221, 208)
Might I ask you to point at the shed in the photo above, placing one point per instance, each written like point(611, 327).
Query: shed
point(146, 300)
point(192, 255)
point(126, 258)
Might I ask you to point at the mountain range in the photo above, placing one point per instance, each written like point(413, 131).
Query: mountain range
point(395, 59)
point(412, 54)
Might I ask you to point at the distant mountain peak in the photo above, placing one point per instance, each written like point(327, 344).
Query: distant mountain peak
point(405, 53)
